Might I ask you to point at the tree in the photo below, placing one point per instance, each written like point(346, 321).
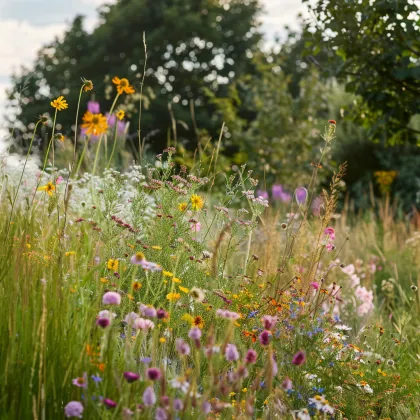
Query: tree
point(192, 45)
point(373, 46)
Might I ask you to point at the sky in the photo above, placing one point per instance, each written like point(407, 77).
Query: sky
point(25, 25)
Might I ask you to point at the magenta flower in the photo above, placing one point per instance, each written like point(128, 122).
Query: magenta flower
point(109, 403)
point(287, 384)
point(81, 382)
point(73, 409)
point(161, 313)
point(131, 376)
point(153, 374)
point(231, 353)
point(265, 337)
point(315, 285)
point(103, 322)
point(195, 227)
point(251, 356)
point(111, 298)
point(269, 321)
point(330, 232)
point(276, 191)
point(149, 397)
point(299, 358)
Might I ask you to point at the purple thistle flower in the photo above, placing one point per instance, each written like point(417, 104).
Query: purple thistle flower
point(131, 376)
point(161, 313)
point(206, 407)
point(269, 321)
point(251, 356)
point(148, 311)
point(161, 414)
point(93, 107)
point(146, 360)
point(73, 409)
point(195, 333)
point(149, 397)
point(287, 384)
point(182, 347)
point(153, 374)
point(277, 191)
point(265, 338)
point(299, 358)
point(178, 404)
point(109, 403)
point(111, 298)
point(301, 195)
point(262, 193)
point(231, 353)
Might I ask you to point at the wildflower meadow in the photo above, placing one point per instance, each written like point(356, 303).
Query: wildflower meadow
point(163, 291)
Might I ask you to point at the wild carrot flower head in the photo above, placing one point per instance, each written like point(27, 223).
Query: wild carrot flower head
point(123, 85)
point(143, 324)
point(149, 397)
point(49, 188)
point(59, 104)
point(131, 376)
point(299, 358)
point(197, 202)
point(94, 124)
point(153, 374)
point(73, 409)
point(231, 353)
point(111, 298)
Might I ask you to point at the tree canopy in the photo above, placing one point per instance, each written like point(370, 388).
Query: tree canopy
point(191, 45)
point(373, 46)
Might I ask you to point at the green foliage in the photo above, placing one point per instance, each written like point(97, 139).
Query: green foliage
point(192, 46)
point(373, 47)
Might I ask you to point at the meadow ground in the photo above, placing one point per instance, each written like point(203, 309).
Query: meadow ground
point(150, 293)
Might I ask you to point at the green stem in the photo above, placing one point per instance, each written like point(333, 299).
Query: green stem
point(97, 154)
point(82, 156)
point(113, 146)
point(46, 156)
point(141, 95)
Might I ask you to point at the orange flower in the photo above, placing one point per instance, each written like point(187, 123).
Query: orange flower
point(95, 124)
point(123, 85)
point(59, 104)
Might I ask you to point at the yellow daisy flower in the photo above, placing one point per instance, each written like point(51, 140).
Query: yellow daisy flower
point(123, 85)
point(112, 264)
point(59, 104)
point(173, 296)
point(167, 273)
point(198, 321)
point(49, 188)
point(183, 289)
point(182, 206)
point(120, 114)
point(95, 124)
point(197, 202)
point(87, 85)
